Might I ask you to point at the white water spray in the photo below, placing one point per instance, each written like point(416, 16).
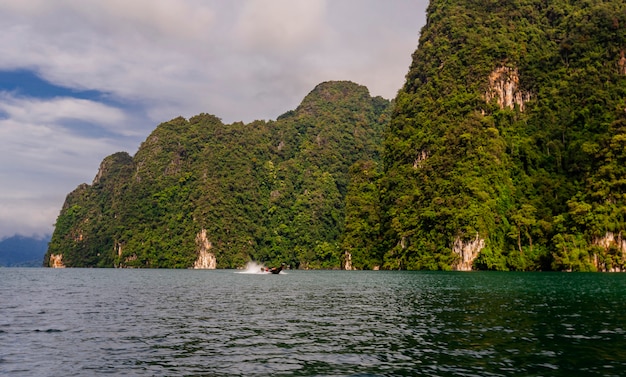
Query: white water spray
point(253, 268)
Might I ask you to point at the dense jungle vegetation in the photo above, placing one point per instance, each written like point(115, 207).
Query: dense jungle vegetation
point(540, 180)
point(505, 149)
point(272, 192)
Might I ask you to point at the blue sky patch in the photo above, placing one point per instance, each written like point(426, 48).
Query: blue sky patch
point(28, 83)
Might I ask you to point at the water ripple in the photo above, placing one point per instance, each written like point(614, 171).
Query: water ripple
point(202, 323)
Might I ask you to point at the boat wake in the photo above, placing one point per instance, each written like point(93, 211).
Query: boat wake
point(255, 268)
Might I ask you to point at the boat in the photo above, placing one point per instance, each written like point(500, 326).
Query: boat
point(275, 270)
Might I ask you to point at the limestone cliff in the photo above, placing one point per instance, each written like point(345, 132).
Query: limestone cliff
point(614, 255)
point(56, 261)
point(206, 259)
point(510, 125)
point(505, 149)
point(504, 87)
point(467, 252)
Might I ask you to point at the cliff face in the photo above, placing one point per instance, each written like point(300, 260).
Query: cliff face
point(203, 194)
point(206, 259)
point(504, 147)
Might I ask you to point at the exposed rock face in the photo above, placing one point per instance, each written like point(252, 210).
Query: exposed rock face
point(101, 172)
point(419, 161)
point(504, 87)
point(467, 251)
point(622, 63)
point(111, 166)
point(206, 260)
point(56, 261)
point(348, 263)
point(608, 241)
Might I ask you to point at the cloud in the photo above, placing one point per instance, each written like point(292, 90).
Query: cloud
point(149, 52)
point(158, 19)
point(57, 110)
point(241, 60)
point(35, 137)
point(42, 159)
point(281, 25)
point(42, 213)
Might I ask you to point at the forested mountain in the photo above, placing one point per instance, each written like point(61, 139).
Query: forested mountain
point(202, 193)
point(505, 150)
point(507, 145)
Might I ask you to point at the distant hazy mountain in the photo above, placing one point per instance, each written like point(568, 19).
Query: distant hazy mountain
point(20, 251)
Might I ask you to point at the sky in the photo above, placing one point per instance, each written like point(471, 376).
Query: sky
point(83, 79)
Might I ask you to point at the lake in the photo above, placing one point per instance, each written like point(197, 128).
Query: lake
point(90, 322)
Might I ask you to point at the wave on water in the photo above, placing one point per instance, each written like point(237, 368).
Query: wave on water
point(257, 268)
point(254, 268)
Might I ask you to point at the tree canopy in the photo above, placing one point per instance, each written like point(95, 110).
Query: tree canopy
point(508, 130)
point(273, 191)
point(504, 150)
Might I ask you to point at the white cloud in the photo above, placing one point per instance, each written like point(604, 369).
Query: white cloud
point(42, 159)
point(55, 110)
point(280, 25)
point(169, 19)
point(151, 52)
point(28, 216)
point(34, 135)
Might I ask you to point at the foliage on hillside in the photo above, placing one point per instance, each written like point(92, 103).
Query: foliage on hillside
point(538, 176)
point(505, 150)
point(267, 191)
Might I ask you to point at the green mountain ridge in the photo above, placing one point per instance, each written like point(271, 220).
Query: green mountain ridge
point(198, 189)
point(504, 150)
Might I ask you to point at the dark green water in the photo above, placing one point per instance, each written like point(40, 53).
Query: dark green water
point(81, 322)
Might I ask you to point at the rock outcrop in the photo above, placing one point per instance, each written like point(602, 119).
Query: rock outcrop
point(504, 86)
point(419, 160)
point(244, 183)
point(610, 241)
point(467, 252)
point(348, 261)
point(206, 260)
point(56, 261)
